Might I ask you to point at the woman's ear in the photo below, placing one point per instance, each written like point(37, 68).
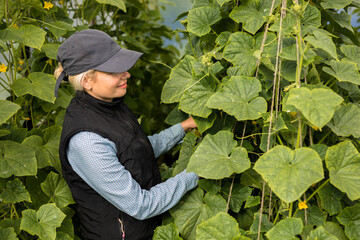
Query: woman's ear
point(86, 82)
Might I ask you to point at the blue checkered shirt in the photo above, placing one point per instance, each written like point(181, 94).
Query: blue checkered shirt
point(94, 159)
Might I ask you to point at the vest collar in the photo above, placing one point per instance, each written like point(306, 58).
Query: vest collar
point(100, 105)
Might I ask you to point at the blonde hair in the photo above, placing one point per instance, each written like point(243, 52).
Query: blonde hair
point(75, 80)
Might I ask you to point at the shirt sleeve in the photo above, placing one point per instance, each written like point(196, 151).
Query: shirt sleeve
point(166, 139)
point(94, 159)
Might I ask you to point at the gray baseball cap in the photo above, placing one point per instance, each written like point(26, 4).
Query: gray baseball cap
point(93, 49)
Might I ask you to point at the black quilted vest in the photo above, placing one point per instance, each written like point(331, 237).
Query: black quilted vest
point(98, 218)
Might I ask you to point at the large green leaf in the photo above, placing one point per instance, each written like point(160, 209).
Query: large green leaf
point(252, 13)
point(16, 159)
point(194, 209)
point(51, 49)
point(318, 105)
point(321, 234)
point(239, 98)
point(313, 215)
point(239, 195)
point(344, 71)
point(290, 173)
point(38, 84)
point(243, 50)
point(343, 163)
point(117, 3)
point(220, 156)
point(196, 96)
point(47, 149)
point(330, 199)
point(186, 151)
point(286, 229)
point(59, 28)
point(15, 192)
point(352, 53)
point(346, 121)
point(220, 227)
point(180, 77)
point(43, 222)
point(205, 123)
point(57, 189)
point(335, 229)
point(350, 218)
point(337, 4)
point(200, 19)
point(168, 232)
point(28, 35)
point(7, 234)
point(322, 39)
point(266, 225)
point(342, 18)
point(7, 109)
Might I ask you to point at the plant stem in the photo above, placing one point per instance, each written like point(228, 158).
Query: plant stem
point(230, 191)
point(290, 209)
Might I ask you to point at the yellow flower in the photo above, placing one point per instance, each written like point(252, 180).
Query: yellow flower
point(315, 128)
point(21, 62)
point(48, 5)
point(19, 69)
point(254, 122)
point(61, 1)
point(15, 25)
point(293, 114)
point(50, 62)
point(302, 205)
point(3, 68)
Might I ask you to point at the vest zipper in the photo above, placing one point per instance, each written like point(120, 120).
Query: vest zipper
point(122, 232)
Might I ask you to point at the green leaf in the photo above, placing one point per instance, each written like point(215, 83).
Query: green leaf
point(7, 109)
point(242, 50)
point(222, 2)
point(180, 77)
point(16, 159)
point(314, 216)
point(57, 189)
point(318, 105)
point(168, 232)
point(344, 71)
point(239, 195)
point(239, 98)
point(322, 39)
point(194, 209)
point(205, 123)
point(266, 225)
point(59, 28)
point(350, 218)
point(290, 173)
point(346, 121)
point(28, 35)
point(15, 192)
point(196, 96)
point(337, 4)
point(117, 3)
point(200, 20)
point(252, 201)
point(38, 84)
point(342, 18)
point(311, 17)
point(330, 199)
point(321, 234)
point(186, 151)
point(335, 229)
point(343, 163)
point(8, 233)
point(351, 52)
point(220, 156)
point(210, 185)
point(50, 50)
point(47, 149)
point(2, 9)
point(220, 227)
point(252, 13)
point(286, 229)
point(43, 222)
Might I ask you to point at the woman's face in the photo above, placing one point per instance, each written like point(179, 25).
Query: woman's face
point(107, 86)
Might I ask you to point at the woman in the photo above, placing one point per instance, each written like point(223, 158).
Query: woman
point(107, 160)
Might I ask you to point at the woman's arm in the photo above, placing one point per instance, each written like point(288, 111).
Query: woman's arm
point(168, 138)
point(94, 159)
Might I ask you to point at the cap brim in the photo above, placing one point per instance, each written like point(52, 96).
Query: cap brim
point(122, 61)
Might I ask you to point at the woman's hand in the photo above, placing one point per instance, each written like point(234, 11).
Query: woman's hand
point(188, 124)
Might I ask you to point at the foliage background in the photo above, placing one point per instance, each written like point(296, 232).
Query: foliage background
point(272, 85)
